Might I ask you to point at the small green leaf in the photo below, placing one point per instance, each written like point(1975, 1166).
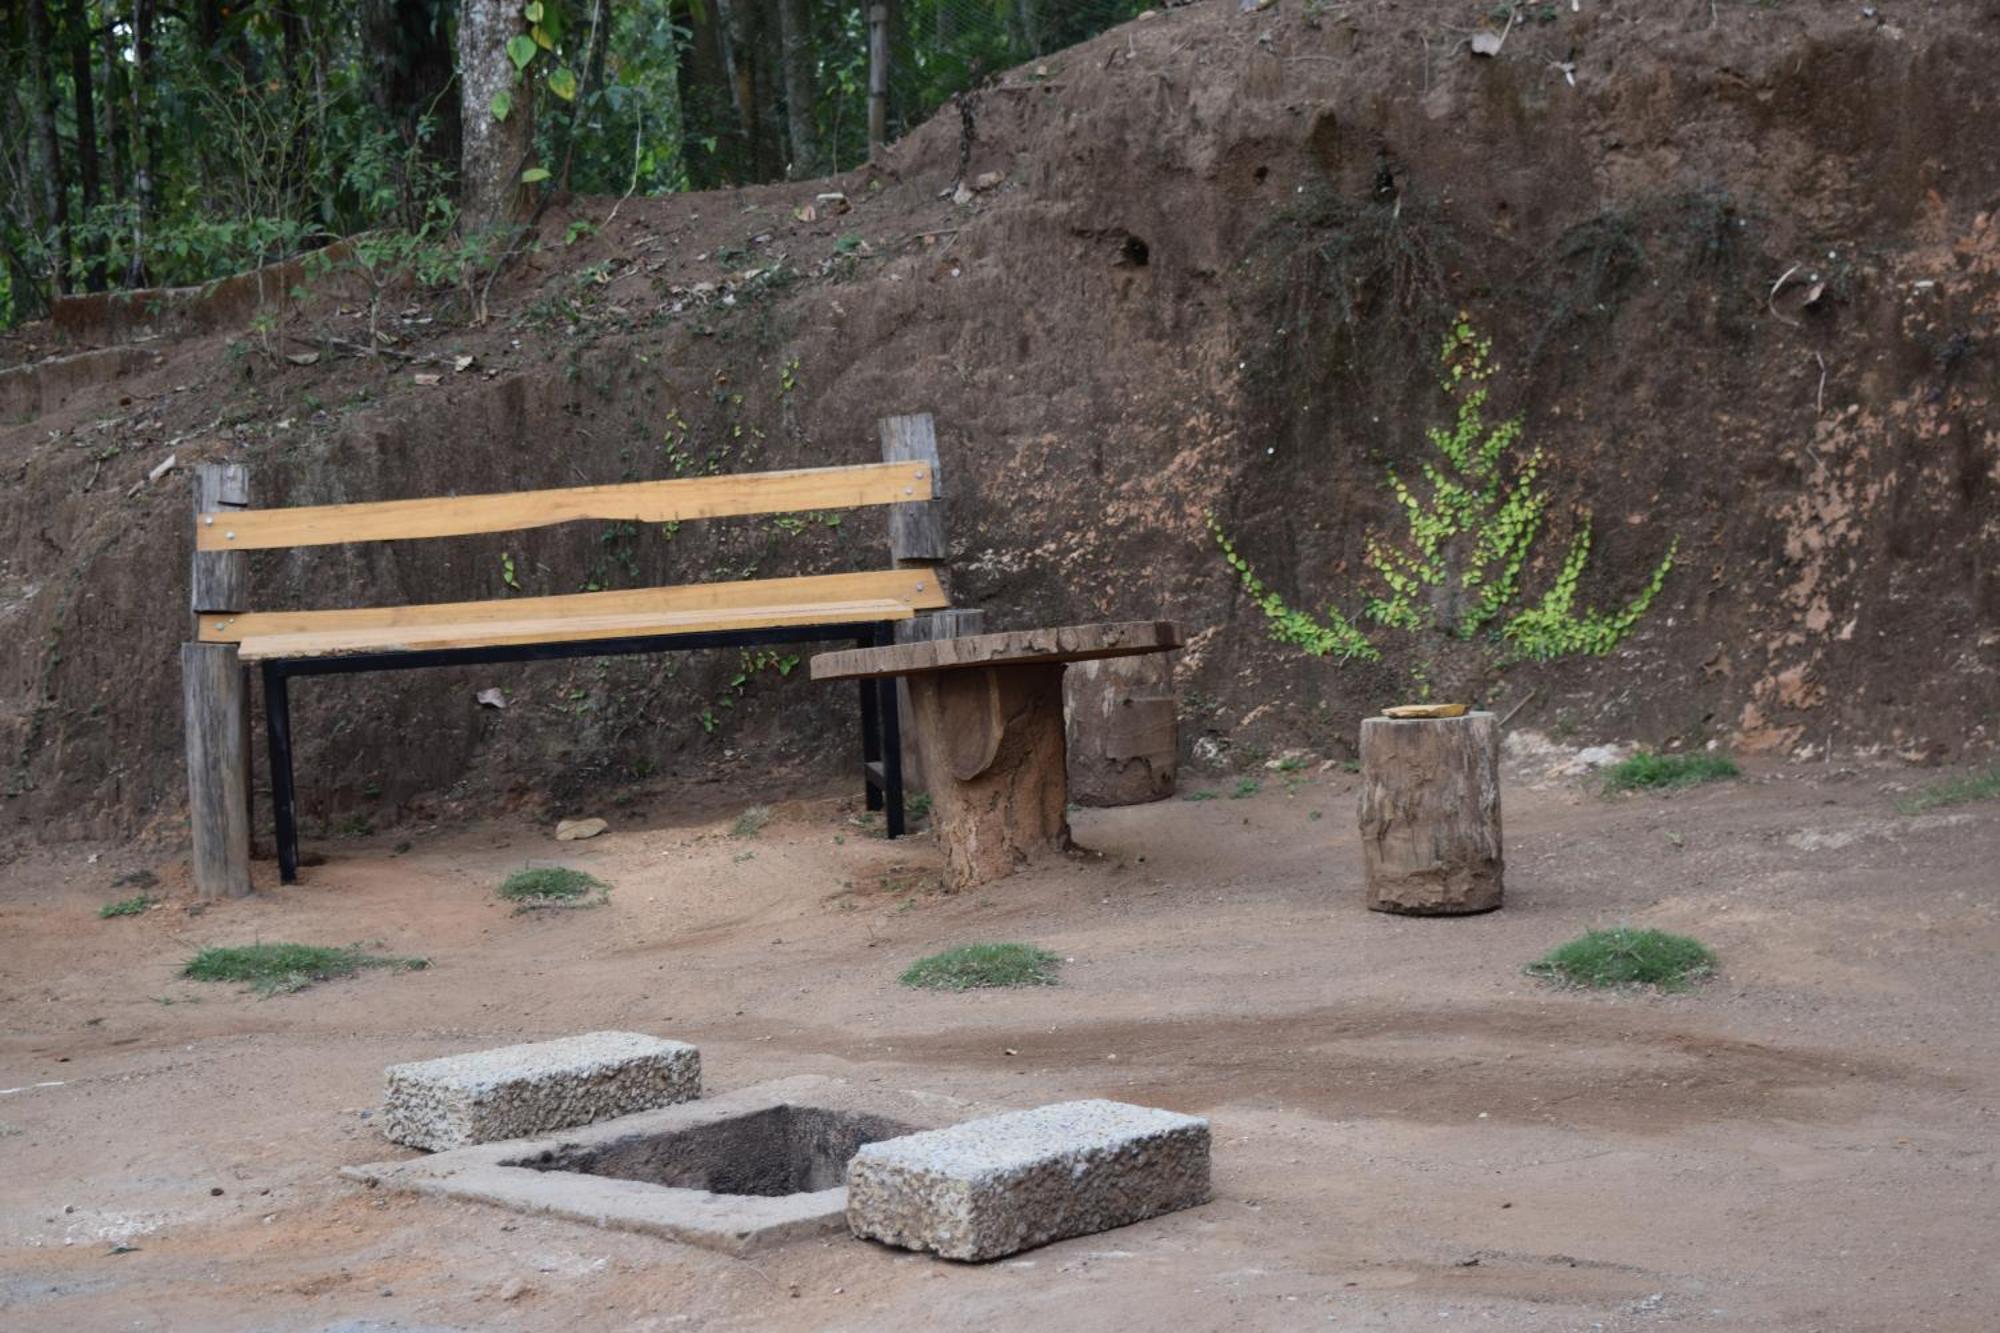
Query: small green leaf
point(533, 13)
point(534, 174)
point(503, 102)
point(520, 49)
point(542, 37)
point(563, 83)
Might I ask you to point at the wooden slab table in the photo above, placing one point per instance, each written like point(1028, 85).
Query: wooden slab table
point(987, 711)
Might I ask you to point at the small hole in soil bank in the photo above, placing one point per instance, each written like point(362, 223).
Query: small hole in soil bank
point(1134, 252)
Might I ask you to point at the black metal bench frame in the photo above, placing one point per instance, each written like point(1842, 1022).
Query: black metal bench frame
point(881, 738)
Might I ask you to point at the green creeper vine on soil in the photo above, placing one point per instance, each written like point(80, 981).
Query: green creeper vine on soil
point(1470, 527)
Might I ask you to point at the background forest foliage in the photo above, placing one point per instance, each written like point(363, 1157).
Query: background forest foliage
point(146, 144)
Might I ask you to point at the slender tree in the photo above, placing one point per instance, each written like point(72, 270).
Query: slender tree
point(48, 148)
point(78, 37)
point(801, 92)
point(497, 112)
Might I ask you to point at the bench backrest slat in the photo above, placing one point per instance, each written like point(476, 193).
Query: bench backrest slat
point(920, 588)
point(725, 496)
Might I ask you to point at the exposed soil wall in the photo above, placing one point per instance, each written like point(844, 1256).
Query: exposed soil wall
point(1211, 278)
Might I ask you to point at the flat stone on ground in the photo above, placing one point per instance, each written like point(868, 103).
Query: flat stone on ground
point(988, 1188)
point(535, 1088)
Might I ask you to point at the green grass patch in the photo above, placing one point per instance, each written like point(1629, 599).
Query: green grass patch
point(132, 906)
point(1668, 772)
point(553, 886)
point(1206, 794)
point(918, 806)
point(974, 966)
point(1245, 787)
point(279, 969)
point(751, 822)
point(1623, 956)
point(1981, 786)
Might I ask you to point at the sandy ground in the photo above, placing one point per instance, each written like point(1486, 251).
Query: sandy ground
point(1410, 1133)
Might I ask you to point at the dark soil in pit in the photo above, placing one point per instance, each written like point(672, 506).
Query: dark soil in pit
point(785, 1150)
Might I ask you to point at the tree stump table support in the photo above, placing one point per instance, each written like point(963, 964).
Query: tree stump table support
point(987, 714)
point(1430, 814)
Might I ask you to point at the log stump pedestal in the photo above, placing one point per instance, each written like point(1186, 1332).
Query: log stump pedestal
point(987, 712)
point(1430, 814)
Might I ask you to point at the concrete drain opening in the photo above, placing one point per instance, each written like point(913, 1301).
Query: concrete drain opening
point(734, 1172)
point(779, 1151)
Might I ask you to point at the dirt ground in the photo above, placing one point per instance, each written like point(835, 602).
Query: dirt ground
point(1409, 1132)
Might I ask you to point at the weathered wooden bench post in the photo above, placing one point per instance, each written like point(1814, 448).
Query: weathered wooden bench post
point(216, 697)
point(1430, 814)
point(917, 541)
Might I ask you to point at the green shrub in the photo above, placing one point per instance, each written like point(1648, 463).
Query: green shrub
point(553, 886)
point(974, 966)
point(132, 906)
point(1666, 772)
point(1981, 786)
point(277, 969)
point(1623, 956)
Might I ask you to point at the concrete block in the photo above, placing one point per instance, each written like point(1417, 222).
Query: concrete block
point(515, 1091)
point(988, 1188)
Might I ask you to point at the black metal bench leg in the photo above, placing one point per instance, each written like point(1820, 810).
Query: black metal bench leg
point(871, 736)
point(892, 756)
point(278, 726)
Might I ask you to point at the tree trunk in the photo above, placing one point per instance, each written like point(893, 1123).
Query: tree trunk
point(406, 48)
point(495, 151)
point(801, 94)
point(86, 136)
point(1430, 814)
point(48, 149)
point(116, 142)
point(146, 127)
point(992, 745)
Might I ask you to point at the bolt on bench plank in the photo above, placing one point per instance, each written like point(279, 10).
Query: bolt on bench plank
point(535, 1088)
point(988, 1188)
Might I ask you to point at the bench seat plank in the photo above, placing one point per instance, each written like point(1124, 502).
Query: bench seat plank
point(561, 629)
point(917, 588)
point(726, 496)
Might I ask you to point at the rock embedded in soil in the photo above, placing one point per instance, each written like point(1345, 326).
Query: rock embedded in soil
point(576, 830)
point(515, 1091)
point(992, 1187)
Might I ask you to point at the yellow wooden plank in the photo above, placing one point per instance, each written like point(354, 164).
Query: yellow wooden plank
point(634, 502)
point(916, 588)
point(561, 629)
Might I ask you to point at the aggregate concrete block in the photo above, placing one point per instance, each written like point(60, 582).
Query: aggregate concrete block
point(988, 1188)
point(515, 1091)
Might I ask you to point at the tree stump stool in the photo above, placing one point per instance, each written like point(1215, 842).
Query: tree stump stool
point(987, 711)
point(1124, 731)
point(1430, 814)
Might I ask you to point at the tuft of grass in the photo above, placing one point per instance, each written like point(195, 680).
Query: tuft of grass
point(132, 906)
point(279, 969)
point(1623, 956)
point(918, 806)
point(1667, 772)
point(1245, 787)
point(1981, 786)
point(751, 822)
point(553, 886)
point(973, 966)
point(1206, 794)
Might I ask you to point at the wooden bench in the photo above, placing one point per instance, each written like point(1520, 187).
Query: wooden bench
point(865, 607)
point(987, 714)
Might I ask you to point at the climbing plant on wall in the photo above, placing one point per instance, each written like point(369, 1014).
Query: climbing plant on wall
point(1470, 517)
